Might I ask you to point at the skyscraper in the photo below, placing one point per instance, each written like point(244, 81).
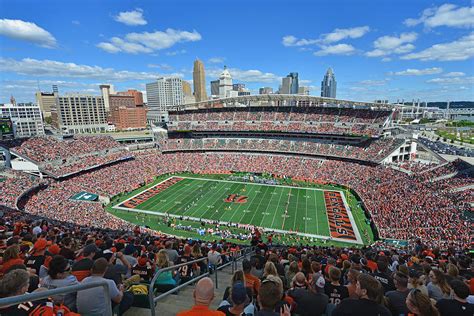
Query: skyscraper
point(161, 94)
point(199, 81)
point(289, 84)
point(329, 85)
point(225, 85)
point(215, 87)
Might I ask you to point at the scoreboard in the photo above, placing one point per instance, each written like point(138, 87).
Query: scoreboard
point(6, 127)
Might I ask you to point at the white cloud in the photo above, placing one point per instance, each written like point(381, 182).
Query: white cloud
point(454, 74)
point(340, 34)
point(370, 82)
point(335, 36)
point(216, 60)
point(291, 40)
point(27, 31)
point(57, 69)
point(161, 66)
point(147, 42)
point(132, 18)
point(338, 49)
point(387, 45)
point(449, 15)
point(176, 52)
point(453, 81)
point(419, 72)
point(251, 75)
point(460, 49)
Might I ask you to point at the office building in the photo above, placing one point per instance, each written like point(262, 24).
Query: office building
point(289, 84)
point(199, 81)
point(265, 90)
point(45, 101)
point(215, 88)
point(303, 90)
point(137, 96)
point(329, 85)
point(27, 119)
point(129, 118)
point(163, 94)
point(106, 90)
point(78, 113)
point(188, 94)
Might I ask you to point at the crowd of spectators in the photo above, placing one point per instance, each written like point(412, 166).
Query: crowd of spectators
point(284, 119)
point(13, 184)
point(61, 157)
point(367, 151)
point(38, 254)
point(401, 206)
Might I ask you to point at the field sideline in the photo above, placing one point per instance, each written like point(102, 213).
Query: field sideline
point(301, 210)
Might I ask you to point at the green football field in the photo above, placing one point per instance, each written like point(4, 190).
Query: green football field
point(274, 207)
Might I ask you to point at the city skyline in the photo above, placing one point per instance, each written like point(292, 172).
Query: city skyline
point(405, 50)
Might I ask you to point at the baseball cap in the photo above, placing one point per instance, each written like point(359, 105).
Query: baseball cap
point(41, 244)
point(239, 293)
point(142, 260)
point(54, 249)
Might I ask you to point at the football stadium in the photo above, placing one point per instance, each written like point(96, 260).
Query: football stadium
point(250, 182)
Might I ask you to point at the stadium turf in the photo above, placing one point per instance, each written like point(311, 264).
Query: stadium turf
point(290, 209)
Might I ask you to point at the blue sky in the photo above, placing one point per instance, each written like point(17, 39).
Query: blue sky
point(378, 49)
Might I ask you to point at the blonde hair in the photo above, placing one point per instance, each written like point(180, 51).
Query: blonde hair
point(453, 270)
point(162, 260)
point(269, 269)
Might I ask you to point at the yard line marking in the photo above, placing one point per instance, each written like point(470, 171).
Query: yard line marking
point(273, 220)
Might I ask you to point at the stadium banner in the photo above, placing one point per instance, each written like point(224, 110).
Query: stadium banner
point(339, 222)
point(396, 242)
point(85, 196)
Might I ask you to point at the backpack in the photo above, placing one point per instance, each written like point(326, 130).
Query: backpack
point(49, 309)
point(139, 289)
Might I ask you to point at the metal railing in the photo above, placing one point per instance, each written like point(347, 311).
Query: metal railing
point(29, 297)
point(153, 300)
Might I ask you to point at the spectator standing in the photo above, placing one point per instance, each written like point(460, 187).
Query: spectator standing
point(397, 299)
point(458, 306)
point(251, 281)
point(309, 301)
point(334, 290)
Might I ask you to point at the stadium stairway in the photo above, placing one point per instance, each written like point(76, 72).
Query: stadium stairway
point(172, 304)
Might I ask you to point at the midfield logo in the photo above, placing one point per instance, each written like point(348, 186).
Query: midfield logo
point(235, 198)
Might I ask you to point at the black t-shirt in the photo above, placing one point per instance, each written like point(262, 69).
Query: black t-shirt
point(309, 303)
point(350, 306)
point(22, 309)
point(336, 293)
point(35, 262)
point(448, 307)
point(226, 310)
point(67, 253)
point(187, 270)
point(397, 302)
point(386, 281)
point(145, 272)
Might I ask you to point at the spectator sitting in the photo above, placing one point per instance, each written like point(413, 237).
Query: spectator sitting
point(268, 297)
point(143, 268)
point(58, 276)
point(351, 285)
point(368, 290)
point(203, 296)
point(168, 277)
point(16, 282)
point(239, 299)
point(11, 257)
point(397, 299)
point(317, 279)
point(214, 257)
point(251, 281)
point(91, 301)
point(290, 274)
point(172, 253)
point(37, 257)
point(420, 304)
point(459, 305)
point(82, 268)
point(309, 301)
